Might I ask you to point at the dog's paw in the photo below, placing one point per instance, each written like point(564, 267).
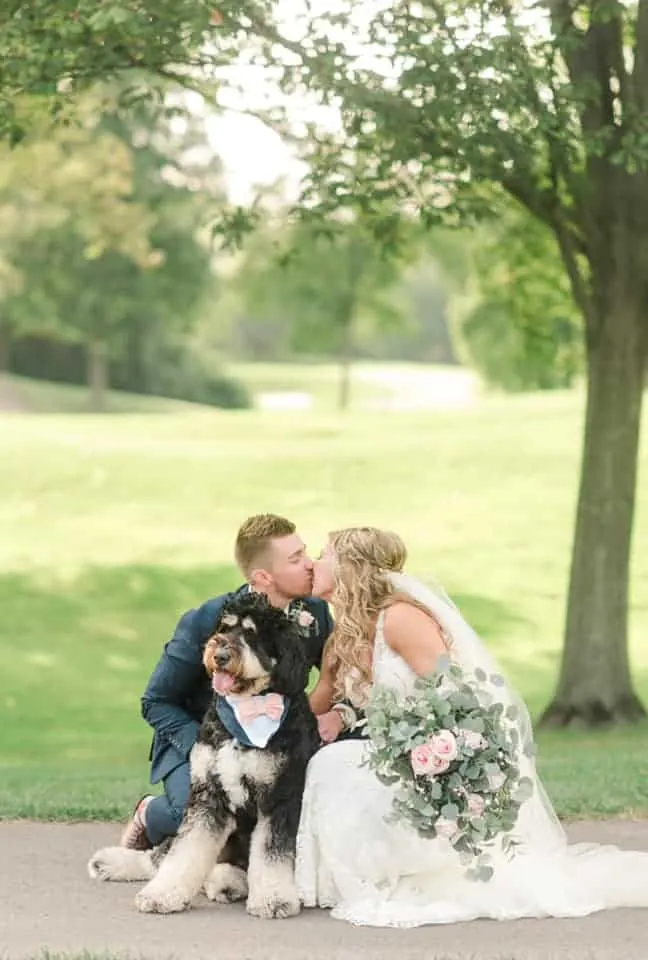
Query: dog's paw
point(100, 864)
point(273, 908)
point(226, 884)
point(121, 864)
point(150, 900)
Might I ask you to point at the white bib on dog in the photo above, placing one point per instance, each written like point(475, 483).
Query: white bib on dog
point(257, 717)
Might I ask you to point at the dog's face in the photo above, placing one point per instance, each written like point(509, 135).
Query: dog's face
point(255, 647)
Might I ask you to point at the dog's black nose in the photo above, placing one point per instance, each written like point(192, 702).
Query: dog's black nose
point(222, 657)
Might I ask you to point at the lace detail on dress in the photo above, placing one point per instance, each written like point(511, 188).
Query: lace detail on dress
point(389, 669)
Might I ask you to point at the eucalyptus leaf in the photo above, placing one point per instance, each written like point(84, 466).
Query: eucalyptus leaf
point(450, 811)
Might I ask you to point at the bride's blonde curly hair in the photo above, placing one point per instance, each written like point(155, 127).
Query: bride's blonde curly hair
point(362, 559)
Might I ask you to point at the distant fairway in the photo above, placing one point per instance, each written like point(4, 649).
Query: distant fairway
point(113, 526)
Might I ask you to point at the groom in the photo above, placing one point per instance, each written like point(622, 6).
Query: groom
point(273, 559)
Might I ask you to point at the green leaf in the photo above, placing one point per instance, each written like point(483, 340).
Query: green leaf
point(524, 790)
point(475, 724)
point(450, 811)
point(436, 790)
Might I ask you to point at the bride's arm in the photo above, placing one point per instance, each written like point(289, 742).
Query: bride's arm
point(321, 697)
point(415, 636)
point(330, 718)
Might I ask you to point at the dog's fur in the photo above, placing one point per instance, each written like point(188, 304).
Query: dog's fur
point(238, 834)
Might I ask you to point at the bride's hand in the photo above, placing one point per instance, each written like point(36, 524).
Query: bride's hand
point(330, 726)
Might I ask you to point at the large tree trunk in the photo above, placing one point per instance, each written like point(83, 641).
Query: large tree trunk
point(595, 687)
point(97, 375)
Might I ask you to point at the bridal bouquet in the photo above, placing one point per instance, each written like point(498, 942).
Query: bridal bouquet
point(452, 751)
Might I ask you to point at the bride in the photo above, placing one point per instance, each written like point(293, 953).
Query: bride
point(390, 628)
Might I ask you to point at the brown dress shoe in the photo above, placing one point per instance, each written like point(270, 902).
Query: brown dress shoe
point(134, 835)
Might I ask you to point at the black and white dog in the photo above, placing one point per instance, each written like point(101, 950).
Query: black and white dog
point(248, 767)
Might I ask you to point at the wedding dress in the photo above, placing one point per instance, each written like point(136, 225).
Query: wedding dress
point(371, 872)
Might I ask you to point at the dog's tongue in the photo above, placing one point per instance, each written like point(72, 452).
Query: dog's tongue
point(222, 682)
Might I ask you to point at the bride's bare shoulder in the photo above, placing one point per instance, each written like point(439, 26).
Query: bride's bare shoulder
point(413, 633)
point(406, 622)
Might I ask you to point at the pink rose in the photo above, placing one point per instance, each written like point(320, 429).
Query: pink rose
point(476, 804)
point(474, 741)
point(426, 763)
point(304, 618)
point(444, 745)
point(439, 765)
point(421, 759)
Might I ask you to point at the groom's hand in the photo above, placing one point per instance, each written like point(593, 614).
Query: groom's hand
point(330, 726)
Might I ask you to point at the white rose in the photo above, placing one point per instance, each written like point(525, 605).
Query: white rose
point(474, 741)
point(445, 828)
point(476, 804)
point(496, 780)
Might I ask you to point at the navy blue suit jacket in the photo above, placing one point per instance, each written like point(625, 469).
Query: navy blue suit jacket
point(179, 691)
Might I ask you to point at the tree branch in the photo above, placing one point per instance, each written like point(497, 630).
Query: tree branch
point(605, 35)
point(594, 55)
point(546, 206)
point(530, 196)
point(266, 31)
point(578, 282)
point(186, 81)
point(553, 127)
point(569, 37)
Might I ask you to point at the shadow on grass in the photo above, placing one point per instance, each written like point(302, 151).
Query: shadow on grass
point(78, 652)
point(490, 618)
point(97, 636)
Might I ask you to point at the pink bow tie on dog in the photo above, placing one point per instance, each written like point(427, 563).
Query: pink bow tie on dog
point(270, 705)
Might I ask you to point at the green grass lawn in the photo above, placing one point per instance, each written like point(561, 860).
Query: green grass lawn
point(113, 526)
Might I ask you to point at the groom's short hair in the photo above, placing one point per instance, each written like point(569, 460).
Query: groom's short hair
point(256, 535)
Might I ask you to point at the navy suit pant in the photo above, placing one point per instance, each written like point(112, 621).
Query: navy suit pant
point(164, 813)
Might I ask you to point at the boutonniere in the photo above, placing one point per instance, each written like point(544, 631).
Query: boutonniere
point(302, 617)
point(305, 618)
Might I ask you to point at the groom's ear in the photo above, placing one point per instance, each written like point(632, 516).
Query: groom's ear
point(260, 579)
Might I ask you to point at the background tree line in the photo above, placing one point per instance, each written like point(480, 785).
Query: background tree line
point(109, 274)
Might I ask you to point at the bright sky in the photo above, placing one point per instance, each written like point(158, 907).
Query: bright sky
point(251, 153)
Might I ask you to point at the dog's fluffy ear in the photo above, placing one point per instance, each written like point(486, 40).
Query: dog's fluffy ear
point(208, 656)
point(290, 672)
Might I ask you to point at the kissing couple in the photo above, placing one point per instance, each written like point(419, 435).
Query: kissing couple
point(389, 629)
